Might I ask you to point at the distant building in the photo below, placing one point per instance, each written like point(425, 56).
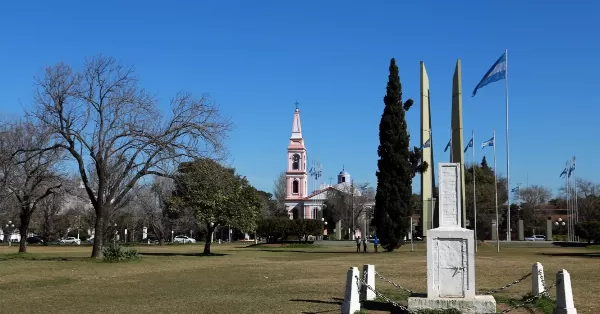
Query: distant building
point(308, 205)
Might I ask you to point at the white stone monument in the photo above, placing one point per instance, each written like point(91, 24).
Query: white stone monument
point(451, 255)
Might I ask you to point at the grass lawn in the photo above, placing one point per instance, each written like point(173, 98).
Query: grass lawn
point(171, 279)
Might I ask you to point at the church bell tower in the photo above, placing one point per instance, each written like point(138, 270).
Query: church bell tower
point(296, 173)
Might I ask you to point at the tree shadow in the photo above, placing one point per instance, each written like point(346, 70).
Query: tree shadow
point(381, 306)
point(27, 257)
point(310, 252)
point(335, 301)
point(181, 254)
point(569, 244)
point(582, 254)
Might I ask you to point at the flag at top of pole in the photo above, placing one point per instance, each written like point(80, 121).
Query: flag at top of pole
point(495, 73)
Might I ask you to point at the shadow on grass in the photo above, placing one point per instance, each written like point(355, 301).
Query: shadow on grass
point(569, 244)
point(582, 254)
point(180, 254)
point(34, 257)
point(381, 306)
point(335, 301)
point(283, 250)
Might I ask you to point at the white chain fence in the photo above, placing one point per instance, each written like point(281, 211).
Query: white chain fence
point(528, 301)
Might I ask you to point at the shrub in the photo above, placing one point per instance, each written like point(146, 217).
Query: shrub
point(280, 229)
point(589, 230)
point(118, 253)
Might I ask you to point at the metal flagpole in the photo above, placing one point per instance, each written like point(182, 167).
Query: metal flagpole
point(568, 205)
point(575, 190)
point(508, 231)
point(474, 194)
point(496, 193)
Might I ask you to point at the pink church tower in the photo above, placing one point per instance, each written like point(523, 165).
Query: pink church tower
point(296, 173)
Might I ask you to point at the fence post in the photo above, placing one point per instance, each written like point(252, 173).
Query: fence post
point(537, 279)
point(564, 294)
point(367, 294)
point(351, 302)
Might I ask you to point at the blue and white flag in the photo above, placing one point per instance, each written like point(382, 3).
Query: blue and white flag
point(515, 190)
point(495, 73)
point(489, 142)
point(448, 146)
point(470, 144)
point(570, 171)
point(427, 144)
point(563, 173)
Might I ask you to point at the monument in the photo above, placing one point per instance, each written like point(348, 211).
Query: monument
point(457, 150)
point(427, 182)
point(451, 254)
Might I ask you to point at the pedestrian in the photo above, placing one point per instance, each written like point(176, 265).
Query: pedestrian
point(357, 244)
point(365, 245)
point(375, 243)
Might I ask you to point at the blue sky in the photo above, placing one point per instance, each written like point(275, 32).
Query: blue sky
point(256, 58)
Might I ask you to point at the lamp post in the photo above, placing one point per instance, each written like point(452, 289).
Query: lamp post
point(325, 226)
point(11, 226)
point(559, 222)
point(115, 236)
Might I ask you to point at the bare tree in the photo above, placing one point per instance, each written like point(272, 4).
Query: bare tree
point(28, 176)
point(280, 190)
point(588, 200)
point(532, 198)
point(154, 201)
point(113, 130)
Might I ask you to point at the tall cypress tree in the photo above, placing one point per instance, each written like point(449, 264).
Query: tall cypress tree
point(397, 165)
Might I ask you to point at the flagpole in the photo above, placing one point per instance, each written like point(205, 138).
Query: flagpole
point(575, 186)
point(508, 233)
point(567, 199)
point(496, 194)
point(474, 194)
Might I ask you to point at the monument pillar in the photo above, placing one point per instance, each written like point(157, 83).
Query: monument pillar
point(457, 154)
point(521, 230)
point(451, 255)
point(549, 229)
point(427, 154)
point(338, 230)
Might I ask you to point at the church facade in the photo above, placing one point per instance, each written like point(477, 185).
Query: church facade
point(307, 205)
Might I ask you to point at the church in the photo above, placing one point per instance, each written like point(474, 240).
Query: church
point(307, 205)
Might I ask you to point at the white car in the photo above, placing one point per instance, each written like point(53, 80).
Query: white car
point(183, 239)
point(536, 237)
point(70, 240)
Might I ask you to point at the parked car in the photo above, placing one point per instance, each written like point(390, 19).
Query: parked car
point(183, 239)
point(536, 237)
point(70, 240)
point(35, 240)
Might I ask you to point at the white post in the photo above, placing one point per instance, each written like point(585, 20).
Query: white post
point(367, 294)
point(537, 278)
point(564, 294)
point(412, 247)
point(351, 302)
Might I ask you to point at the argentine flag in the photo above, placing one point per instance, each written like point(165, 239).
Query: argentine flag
point(489, 142)
point(427, 144)
point(470, 144)
point(495, 73)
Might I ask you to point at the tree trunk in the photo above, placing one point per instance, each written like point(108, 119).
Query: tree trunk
point(98, 234)
point(161, 241)
point(208, 238)
point(25, 218)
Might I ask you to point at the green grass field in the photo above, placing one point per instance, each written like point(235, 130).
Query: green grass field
point(252, 280)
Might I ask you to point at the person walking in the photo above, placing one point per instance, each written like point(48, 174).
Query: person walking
point(375, 243)
point(357, 244)
point(364, 245)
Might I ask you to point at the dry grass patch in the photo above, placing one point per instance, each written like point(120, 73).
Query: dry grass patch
point(250, 280)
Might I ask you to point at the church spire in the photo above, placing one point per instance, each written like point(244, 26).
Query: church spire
point(296, 126)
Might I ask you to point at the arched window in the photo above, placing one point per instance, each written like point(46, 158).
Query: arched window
point(296, 162)
point(295, 187)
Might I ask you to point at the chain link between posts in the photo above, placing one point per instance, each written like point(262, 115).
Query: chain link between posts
point(361, 282)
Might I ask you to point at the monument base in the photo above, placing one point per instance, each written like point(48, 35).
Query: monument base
point(478, 305)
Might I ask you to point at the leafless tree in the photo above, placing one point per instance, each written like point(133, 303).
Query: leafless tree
point(280, 190)
point(588, 199)
point(28, 176)
point(154, 202)
point(532, 198)
point(113, 130)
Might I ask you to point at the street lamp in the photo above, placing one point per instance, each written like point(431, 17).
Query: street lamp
point(11, 226)
point(115, 236)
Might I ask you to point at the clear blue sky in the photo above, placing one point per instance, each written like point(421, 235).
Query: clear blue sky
point(256, 58)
